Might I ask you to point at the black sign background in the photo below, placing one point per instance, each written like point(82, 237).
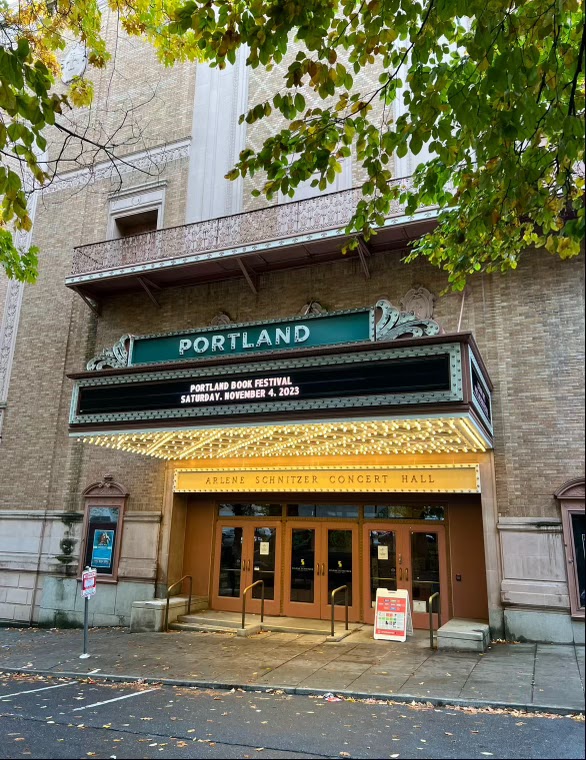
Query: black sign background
point(414, 375)
point(481, 395)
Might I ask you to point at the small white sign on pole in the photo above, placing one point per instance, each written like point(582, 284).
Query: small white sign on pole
point(392, 615)
point(88, 583)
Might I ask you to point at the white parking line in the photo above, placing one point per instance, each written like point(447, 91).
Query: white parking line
point(34, 691)
point(107, 701)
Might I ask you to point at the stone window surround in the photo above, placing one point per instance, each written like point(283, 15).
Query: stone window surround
point(105, 493)
point(136, 200)
point(572, 502)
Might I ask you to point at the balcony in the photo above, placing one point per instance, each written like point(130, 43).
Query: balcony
point(244, 245)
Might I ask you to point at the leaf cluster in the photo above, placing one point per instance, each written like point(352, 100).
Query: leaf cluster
point(492, 91)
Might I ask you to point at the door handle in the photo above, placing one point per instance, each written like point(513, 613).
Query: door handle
point(248, 566)
point(400, 573)
point(323, 572)
point(243, 565)
point(406, 573)
point(317, 568)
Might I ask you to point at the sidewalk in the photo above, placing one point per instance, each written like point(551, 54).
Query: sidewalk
point(526, 676)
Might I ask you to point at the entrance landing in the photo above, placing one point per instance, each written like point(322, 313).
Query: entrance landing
point(231, 622)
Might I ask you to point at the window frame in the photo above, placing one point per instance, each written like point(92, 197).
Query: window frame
point(109, 494)
point(571, 500)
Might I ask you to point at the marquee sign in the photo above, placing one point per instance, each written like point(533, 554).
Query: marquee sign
point(426, 374)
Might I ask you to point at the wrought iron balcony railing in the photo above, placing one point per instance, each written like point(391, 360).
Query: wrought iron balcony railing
point(280, 236)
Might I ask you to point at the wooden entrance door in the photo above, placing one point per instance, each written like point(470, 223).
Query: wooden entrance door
point(409, 557)
point(246, 552)
point(318, 559)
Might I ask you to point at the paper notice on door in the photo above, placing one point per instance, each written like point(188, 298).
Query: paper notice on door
point(265, 547)
point(383, 552)
point(419, 605)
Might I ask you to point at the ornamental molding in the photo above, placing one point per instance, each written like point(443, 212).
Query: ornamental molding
point(144, 160)
point(418, 301)
point(220, 320)
point(13, 304)
point(313, 307)
point(394, 323)
point(571, 489)
point(111, 358)
point(74, 64)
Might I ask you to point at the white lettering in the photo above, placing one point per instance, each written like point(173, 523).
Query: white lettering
point(264, 338)
point(184, 344)
point(282, 336)
point(200, 345)
point(233, 337)
point(301, 333)
point(218, 342)
point(245, 343)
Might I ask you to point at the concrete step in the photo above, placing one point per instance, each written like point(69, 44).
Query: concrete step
point(210, 620)
point(199, 603)
point(459, 634)
point(201, 627)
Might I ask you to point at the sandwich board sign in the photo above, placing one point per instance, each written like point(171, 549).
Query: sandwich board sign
point(392, 615)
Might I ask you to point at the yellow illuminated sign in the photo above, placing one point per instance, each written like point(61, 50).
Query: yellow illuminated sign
point(429, 479)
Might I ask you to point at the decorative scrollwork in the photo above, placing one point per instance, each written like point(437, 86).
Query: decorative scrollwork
point(394, 323)
point(311, 308)
point(113, 358)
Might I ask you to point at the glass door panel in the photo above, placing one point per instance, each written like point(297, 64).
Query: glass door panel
point(302, 587)
point(338, 566)
point(302, 593)
point(264, 562)
point(425, 573)
point(339, 563)
point(424, 567)
point(380, 552)
point(383, 561)
point(230, 569)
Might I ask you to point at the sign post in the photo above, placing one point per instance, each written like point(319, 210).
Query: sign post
point(88, 589)
point(392, 615)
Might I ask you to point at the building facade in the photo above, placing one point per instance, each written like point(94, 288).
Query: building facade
point(217, 390)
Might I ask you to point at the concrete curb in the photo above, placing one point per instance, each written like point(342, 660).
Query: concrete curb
point(301, 691)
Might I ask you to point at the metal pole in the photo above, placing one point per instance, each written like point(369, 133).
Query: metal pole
point(86, 608)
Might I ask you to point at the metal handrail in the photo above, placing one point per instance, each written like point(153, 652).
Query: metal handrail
point(172, 586)
point(439, 616)
point(262, 600)
point(333, 594)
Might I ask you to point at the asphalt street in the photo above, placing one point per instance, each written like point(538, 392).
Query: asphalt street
point(64, 718)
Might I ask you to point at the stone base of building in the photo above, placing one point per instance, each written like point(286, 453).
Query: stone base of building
point(62, 605)
point(541, 625)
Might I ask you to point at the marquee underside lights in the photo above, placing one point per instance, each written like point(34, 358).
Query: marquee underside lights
point(433, 435)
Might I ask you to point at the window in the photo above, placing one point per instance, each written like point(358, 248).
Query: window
point(404, 512)
point(249, 510)
point(136, 210)
point(571, 499)
point(102, 527)
point(331, 511)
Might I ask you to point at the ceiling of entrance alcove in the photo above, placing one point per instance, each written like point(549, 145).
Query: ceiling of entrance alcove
point(434, 435)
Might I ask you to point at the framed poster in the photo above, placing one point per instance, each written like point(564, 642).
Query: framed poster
point(103, 548)
point(392, 615)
